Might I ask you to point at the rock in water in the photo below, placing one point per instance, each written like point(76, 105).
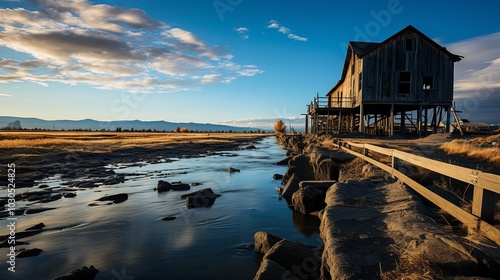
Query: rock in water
point(84, 273)
point(308, 200)
point(265, 241)
point(277, 177)
point(178, 186)
point(200, 198)
point(163, 186)
point(38, 226)
point(168, 218)
point(116, 198)
point(232, 170)
point(25, 253)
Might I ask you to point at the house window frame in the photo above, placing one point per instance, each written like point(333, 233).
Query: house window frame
point(404, 83)
point(425, 83)
point(410, 44)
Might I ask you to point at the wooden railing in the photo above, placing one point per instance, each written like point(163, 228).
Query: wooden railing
point(486, 185)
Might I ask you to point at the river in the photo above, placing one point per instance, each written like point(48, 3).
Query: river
point(129, 240)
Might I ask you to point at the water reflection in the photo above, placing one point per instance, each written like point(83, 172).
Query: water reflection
point(204, 243)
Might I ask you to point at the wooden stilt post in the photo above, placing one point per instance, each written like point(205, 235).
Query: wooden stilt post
point(403, 120)
point(448, 118)
point(391, 121)
point(426, 111)
point(419, 121)
point(307, 124)
point(361, 118)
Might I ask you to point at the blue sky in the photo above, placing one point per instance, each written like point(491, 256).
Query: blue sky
point(235, 62)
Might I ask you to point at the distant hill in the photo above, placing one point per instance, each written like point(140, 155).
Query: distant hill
point(89, 124)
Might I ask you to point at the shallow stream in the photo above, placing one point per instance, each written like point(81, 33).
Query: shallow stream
point(129, 240)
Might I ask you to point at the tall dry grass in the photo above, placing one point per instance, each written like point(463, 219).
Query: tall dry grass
point(481, 148)
point(97, 141)
point(412, 266)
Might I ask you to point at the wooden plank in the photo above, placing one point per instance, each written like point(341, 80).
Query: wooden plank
point(384, 151)
point(463, 216)
point(460, 173)
point(468, 219)
point(357, 145)
point(489, 181)
point(490, 232)
point(483, 204)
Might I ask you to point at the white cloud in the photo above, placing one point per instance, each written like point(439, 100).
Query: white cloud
point(479, 70)
point(273, 24)
point(297, 38)
point(5, 95)
point(243, 31)
point(107, 47)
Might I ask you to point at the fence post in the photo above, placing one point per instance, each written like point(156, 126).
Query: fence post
point(483, 204)
point(394, 164)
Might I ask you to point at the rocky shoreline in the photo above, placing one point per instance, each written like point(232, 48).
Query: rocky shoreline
point(372, 226)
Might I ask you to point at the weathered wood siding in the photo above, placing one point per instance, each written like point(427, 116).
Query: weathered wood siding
point(348, 94)
point(384, 65)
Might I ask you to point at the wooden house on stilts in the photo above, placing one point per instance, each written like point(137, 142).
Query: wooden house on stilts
point(401, 85)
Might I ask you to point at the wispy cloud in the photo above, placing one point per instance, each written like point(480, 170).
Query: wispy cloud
point(480, 68)
point(107, 47)
point(273, 24)
point(477, 78)
point(243, 31)
point(5, 95)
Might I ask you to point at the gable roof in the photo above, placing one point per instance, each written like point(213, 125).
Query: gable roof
point(453, 57)
point(363, 48)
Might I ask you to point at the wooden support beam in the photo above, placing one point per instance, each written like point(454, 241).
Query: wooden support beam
point(361, 118)
point(483, 204)
point(391, 121)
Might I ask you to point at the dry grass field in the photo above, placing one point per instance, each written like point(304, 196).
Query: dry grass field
point(480, 148)
point(109, 141)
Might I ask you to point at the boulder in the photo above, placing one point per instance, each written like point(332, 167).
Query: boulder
point(308, 200)
point(265, 241)
point(84, 273)
point(277, 177)
point(270, 270)
point(163, 186)
point(116, 198)
point(201, 198)
point(168, 218)
point(232, 170)
point(69, 195)
point(299, 261)
point(283, 161)
point(291, 186)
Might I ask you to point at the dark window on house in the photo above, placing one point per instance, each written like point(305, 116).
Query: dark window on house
point(428, 82)
point(386, 85)
point(353, 68)
point(410, 44)
point(404, 84)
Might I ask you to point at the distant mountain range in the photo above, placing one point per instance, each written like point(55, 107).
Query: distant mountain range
point(89, 124)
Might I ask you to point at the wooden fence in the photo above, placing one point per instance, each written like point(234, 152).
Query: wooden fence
point(486, 185)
